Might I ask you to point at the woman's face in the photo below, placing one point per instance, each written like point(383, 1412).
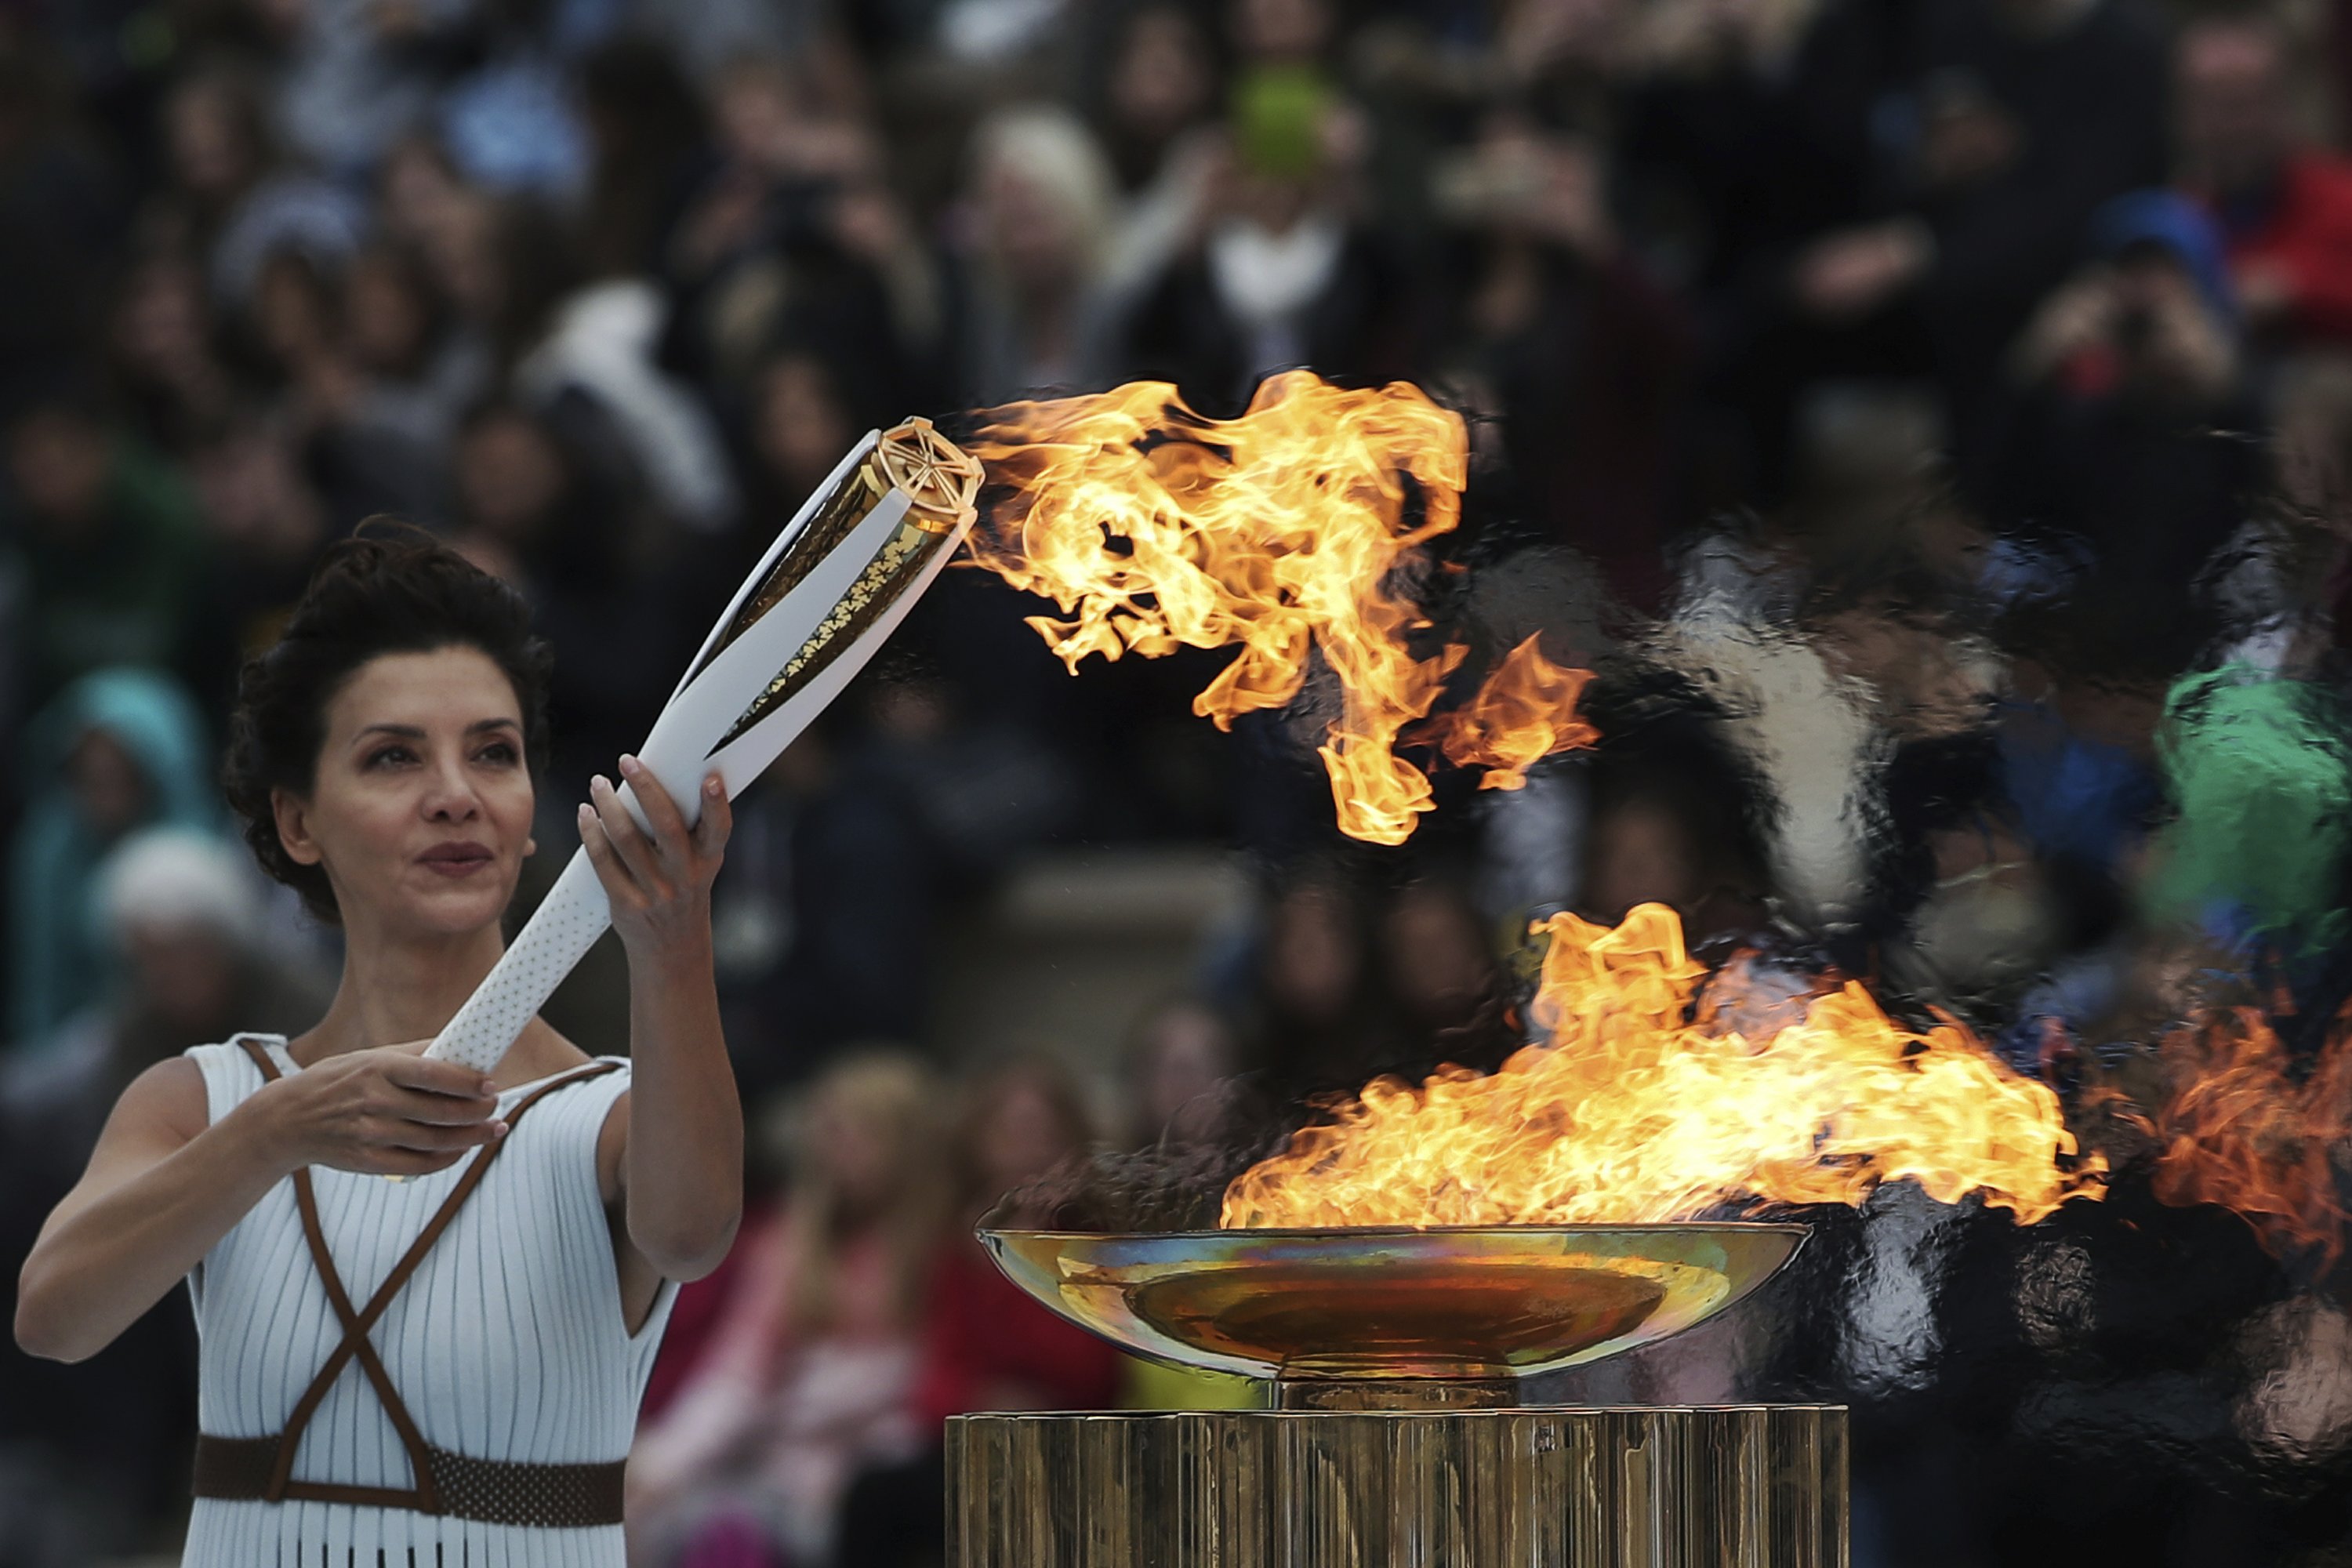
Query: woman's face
point(208, 151)
point(1437, 957)
point(1642, 854)
point(1031, 234)
point(160, 327)
point(510, 479)
point(1023, 1136)
point(421, 810)
point(290, 311)
point(109, 788)
point(389, 319)
point(1162, 81)
point(861, 1157)
point(1312, 963)
point(1186, 1057)
point(802, 430)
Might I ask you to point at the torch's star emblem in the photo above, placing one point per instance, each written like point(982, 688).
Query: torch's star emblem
point(936, 474)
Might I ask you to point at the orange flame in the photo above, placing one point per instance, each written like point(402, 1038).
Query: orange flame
point(1525, 710)
point(2234, 1127)
point(1277, 533)
point(1632, 1113)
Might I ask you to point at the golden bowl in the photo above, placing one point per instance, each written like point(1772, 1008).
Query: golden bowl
point(1464, 1306)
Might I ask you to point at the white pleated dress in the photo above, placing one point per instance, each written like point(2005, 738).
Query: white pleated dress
point(507, 1342)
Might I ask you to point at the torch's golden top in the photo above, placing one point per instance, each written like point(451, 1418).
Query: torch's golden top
point(1497, 1301)
point(940, 478)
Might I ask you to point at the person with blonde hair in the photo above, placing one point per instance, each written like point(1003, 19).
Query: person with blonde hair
point(809, 1375)
point(985, 1344)
point(1043, 211)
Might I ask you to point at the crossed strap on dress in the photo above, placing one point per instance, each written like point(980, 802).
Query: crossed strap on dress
point(498, 1492)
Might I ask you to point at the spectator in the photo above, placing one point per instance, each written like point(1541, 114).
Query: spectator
point(267, 524)
point(1159, 95)
point(986, 1345)
point(1320, 1022)
point(2023, 117)
point(1438, 960)
point(1157, 126)
point(183, 913)
point(794, 231)
point(2262, 772)
point(2313, 406)
point(1181, 1058)
point(811, 1375)
point(358, 77)
point(590, 345)
point(117, 751)
point(1559, 334)
point(185, 921)
point(802, 420)
point(236, 203)
point(510, 118)
point(293, 326)
point(2284, 205)
point(363, 463)
point(1667, 828)
point(423, 203)
point(645, 124)
point(772, 1124)
point(166, 362)
point(1042, 220)
point(108, 544)
point(528, 511)
point(1284, 271)
point(2126, 370)
point(61, 208)
point(844, 877)
point(418, 366)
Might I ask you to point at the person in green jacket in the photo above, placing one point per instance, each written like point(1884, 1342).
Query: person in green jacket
point(109, 546)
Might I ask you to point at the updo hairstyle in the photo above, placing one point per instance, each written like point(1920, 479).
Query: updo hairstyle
point(389, 589)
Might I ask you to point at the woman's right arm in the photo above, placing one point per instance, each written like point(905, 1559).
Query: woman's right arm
point(163, 1185)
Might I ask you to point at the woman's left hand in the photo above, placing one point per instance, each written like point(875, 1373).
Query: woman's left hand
point(659, 883)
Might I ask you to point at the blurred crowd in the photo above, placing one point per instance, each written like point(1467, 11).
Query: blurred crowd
point(1931, 418)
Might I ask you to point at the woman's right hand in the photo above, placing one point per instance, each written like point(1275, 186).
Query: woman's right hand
point(387, 1111)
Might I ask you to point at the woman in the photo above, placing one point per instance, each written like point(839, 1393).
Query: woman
point(1044, 211)
point(452, 1371)
point(1181, 1065)
point(810, 1373)
point(985, 1345)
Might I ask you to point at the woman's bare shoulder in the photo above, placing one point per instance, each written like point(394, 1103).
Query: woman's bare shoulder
point(167, 1101)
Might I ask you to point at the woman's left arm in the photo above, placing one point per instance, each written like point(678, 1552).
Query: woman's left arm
point(682, 1159)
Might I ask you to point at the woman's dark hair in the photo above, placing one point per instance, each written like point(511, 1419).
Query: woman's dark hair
point(390, 588)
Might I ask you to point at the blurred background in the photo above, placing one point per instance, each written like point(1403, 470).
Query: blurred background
point(1932, 418)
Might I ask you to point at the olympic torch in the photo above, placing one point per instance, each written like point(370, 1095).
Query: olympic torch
point(829, 592)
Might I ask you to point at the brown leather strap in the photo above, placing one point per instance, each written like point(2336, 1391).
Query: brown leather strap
point(425, 1495)
point(354, 1342)
point(495, 1491)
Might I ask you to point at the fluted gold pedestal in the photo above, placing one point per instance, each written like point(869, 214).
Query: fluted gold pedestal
point(1737, 1486)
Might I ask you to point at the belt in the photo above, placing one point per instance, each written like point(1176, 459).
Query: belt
point(495, 1491)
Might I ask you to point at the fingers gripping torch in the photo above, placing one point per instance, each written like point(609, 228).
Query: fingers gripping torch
point(837, 580)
